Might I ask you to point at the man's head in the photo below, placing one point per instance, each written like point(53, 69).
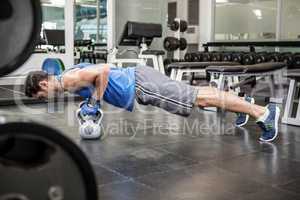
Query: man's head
point(39, 85)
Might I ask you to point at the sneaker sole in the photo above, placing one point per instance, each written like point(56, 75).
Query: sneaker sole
point(247, 116)
point(276, 127)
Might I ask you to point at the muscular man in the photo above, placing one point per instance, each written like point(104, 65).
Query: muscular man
point(121, 86)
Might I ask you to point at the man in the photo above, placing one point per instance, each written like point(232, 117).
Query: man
point(121, 86)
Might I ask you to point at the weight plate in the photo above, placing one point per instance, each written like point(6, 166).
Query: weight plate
point(37, 162)
point(183, 44)
point(174, 26)
point(20, 25)
point(183, 26)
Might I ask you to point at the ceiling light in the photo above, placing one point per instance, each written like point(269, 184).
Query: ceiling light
point(221, 1)
point(258, 13)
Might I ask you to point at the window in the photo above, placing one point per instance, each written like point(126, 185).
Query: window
point(245, 19)
point(53, 25)
point(53, 14)
point(86, 26)
point(290, 19)
point(193, 12)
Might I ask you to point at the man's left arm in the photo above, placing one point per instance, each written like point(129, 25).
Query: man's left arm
point(91, 76)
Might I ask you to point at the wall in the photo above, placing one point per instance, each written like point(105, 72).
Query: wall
point(240, 18)
point(152, 11)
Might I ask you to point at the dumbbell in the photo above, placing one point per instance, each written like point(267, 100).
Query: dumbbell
point(183, 44)
point(216, 57)
point(274, 57)
point(197, 57)
point(206, 56)
point(262, 57)
point(183, 26)
point(249, 59)
point(226, 57)
point(192, 57)
point(287, 58)
point(172, 44)
point(189, 57)
point(297, 60)
point(175, 25)
point(237, 57)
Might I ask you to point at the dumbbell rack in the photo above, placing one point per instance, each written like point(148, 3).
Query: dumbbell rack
point(292, 60)
point(178, 27)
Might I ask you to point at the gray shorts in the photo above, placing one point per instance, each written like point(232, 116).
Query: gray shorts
point(156, 89)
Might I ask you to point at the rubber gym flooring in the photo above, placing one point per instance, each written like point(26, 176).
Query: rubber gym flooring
point(151, 154)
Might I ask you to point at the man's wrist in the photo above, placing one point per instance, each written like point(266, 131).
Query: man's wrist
point(93, 101)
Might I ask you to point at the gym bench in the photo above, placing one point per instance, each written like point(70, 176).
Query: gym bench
point(229, 79)
point(179, 68)
point(229, 76)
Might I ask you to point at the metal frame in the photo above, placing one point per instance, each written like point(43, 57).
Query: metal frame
point(221, 84)
point(223, 77)
point(292, 96)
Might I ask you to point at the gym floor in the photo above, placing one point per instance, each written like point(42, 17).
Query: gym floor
point(169, 157)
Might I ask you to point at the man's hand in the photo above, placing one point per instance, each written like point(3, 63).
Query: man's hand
point(90, 109)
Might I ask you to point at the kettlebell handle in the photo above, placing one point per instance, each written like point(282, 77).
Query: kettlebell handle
point(81, 118)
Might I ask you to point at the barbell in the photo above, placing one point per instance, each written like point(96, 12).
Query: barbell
point(36, 161)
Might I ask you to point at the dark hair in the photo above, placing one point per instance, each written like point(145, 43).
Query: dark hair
point(32, 83)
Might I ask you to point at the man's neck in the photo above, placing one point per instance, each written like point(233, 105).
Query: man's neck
point(57, 85)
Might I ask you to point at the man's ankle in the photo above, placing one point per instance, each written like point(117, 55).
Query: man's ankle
point(262, 114)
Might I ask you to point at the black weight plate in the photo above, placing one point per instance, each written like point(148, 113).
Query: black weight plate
point(174, 26)
point(20, 27)
point(37, 162)
point(183, 44)
point(183, 26)
point(171, 43)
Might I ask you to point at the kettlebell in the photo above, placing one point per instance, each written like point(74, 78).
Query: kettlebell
point(90, 126)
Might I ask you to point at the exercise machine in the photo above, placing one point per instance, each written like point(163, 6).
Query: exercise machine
point(139, 35)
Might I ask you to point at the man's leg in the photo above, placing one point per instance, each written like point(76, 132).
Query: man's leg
point(213, 97)
point(266, 117)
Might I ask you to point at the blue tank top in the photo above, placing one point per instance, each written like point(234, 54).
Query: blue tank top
point(120, 90)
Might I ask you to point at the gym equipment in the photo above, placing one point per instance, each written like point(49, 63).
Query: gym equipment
point(189, 57)
point(20, 25)
point(174, 26)
point(274, 57)
point(216, 57)
point(172, 44)
point(179, 25)
point(206, 56)
point(90, 126)
point(249, 59)
point(226, 57)
point(53, 66)
point(287, 57)
point(139, 35)
point(296, 58)
point(38, 162)
point(183, 26)
point(177, 43)
point(262, 57)
point(291, 111)
point(183, 44)
point(237, 57)
point(197, 57)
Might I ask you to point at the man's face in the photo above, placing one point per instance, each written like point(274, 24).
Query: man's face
point(47, 90)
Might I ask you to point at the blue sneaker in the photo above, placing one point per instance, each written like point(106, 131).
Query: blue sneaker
point(243, 118)
point(270, 124)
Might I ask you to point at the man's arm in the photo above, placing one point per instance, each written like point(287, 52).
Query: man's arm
point(86, 77)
